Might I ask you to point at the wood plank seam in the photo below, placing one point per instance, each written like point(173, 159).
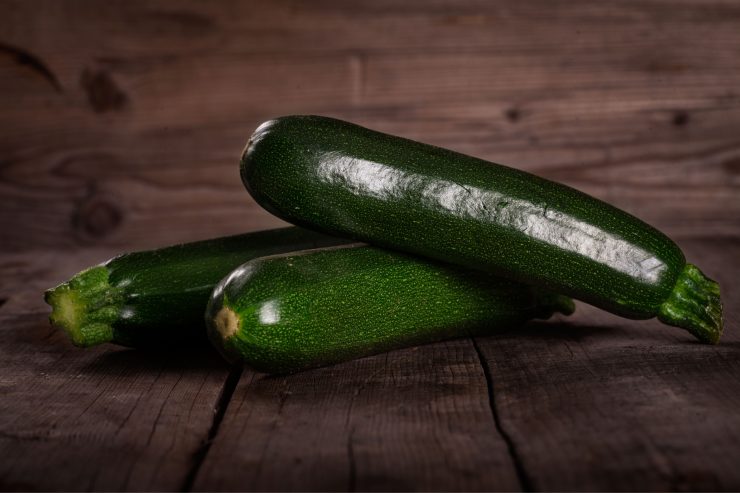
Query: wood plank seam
point(227, 392)
point(522, 475)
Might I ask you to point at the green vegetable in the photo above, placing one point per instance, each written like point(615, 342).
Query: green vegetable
point(344, 179)
point(290, 312)
point(158, 297)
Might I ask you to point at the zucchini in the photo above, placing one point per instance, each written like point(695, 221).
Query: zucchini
point(343, 179)
point(301, 310)
point(158, 297)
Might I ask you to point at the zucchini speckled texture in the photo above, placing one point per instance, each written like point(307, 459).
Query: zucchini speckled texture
point(290, 312)
point(347, 180)
point(157, 297)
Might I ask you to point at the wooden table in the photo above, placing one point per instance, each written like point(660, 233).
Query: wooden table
point(120, 129)
point(586, 402)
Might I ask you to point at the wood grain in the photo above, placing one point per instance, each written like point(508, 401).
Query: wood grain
point(591, 402)
point(602, 403)
point(123, 128)
point(416, 419)
point(98, 419)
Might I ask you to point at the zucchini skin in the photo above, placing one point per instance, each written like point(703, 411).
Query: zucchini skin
point(348, 180)
point(290, 312)
point(157, 297)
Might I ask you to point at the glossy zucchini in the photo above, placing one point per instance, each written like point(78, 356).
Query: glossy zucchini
point(157, 297)
point(290, 312)
point(344, 179)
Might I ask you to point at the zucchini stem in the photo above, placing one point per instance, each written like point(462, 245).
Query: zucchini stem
point(694, 305)
point(85, 307)
point(549, 303)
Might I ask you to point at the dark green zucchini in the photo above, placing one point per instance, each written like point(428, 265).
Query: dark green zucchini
point(344, 179)
point(158, 297)
point(290, 312)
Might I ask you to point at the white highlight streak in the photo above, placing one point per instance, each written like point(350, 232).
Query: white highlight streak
point(377, 180)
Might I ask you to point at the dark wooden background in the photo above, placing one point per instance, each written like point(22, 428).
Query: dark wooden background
point(121, 124)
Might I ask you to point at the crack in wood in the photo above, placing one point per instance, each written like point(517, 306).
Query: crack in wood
point(161, 409)
point(521, 473)
point(227, 392)
point(24, 57)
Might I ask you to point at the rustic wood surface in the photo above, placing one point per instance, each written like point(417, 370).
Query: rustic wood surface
point(588, 402)
point(602, 403)
point(121, 125)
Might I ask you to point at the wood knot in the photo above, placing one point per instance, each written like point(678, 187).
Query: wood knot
point(732, 166)
point(96, 218)
point(680, 118)
point(102, 91)
point(513, 114)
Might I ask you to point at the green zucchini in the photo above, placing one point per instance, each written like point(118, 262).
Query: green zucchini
point(157, 297)
point(343, 179)
point(289, 312)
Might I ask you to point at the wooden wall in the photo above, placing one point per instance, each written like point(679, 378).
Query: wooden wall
point(121, 122)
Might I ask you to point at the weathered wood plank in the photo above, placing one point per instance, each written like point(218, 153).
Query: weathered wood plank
point(416, 419)
point(116, 122)
point(593, 403)
point(98, 419)
point(602, 403)
point(193, 27)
